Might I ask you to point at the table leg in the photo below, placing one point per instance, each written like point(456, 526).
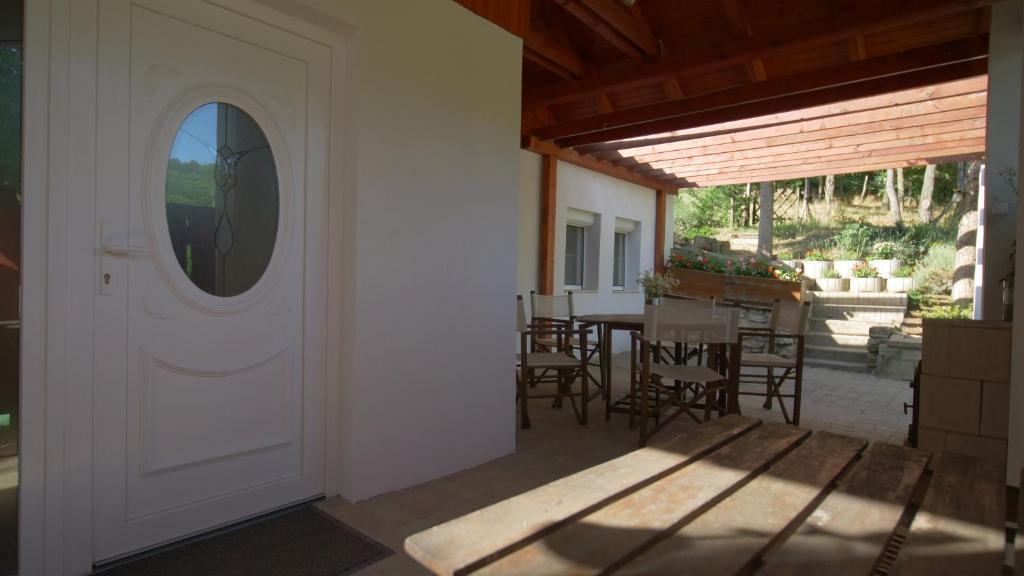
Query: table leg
point(606, 368)
point(734, 379)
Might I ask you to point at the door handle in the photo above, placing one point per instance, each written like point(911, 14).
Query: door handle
point(108, 249)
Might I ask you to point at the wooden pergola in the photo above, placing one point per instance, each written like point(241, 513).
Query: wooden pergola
point(671, 94)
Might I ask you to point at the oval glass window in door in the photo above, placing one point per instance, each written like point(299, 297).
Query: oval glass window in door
point(222, 199)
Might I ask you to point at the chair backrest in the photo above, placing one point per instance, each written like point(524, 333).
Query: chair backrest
point(520, 314)
point(691, 321)
point(552, 307)
point(790, 317)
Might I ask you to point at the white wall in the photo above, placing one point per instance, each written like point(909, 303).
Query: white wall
point(608, 197)
point(1015, 459)
point(430, 239)
point(1002, 151)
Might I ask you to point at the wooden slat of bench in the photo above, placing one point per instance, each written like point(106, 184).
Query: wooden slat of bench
point(961, 526)
point(618, 531)
point(847, 532)
point(461, 544)
point(732, 535)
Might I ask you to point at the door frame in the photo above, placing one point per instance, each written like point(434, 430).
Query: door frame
point(59, 239)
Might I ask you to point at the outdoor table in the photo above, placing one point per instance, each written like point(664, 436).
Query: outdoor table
point(608, 323)
point(733, 496)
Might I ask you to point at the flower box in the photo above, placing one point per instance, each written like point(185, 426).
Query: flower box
point(867, 284)
point(816, 268)
point(899, 285)
point(886, 268)
point(833, 284)
point(731, 287)
point(845, 267)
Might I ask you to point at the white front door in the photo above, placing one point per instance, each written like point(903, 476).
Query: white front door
point(211, 286)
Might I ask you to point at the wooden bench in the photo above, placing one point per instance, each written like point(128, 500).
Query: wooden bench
point(738, 496)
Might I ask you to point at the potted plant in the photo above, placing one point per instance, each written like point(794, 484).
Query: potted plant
point(831, 281)
point(883, 258)
point(866, 279)
point(902, 280)
point(656, 285)
point(845, 263)
point(815, 264)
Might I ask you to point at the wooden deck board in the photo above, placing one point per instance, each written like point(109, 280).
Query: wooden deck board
point(847, 532)
point(730, 537)
point(617, 532)
point(960, 528)
point(470, 541)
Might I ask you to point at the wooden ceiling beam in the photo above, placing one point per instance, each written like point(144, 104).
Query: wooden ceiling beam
point(922, 147)
point(547, 148)
point(862, 124)
point(931, 97)
point(774, 42)
point(724, 111)
point(824, 147)
point(611, 20)
point(553, 55)
point(807, 170)
point(650, 119)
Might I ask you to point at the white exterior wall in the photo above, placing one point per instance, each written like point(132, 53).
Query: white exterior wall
point(1002, 151)
point(430, 242)
point(1015, 449)
point(607, 197)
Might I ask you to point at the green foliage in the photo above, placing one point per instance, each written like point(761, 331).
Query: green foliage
point(914, 299)
point(701, 211)
point(11, 74)
point(903, 272)
point(934, 272)
point(656, 285)
point(190, 183)
point(831, 273)
point(864, 270)
point(816, 255)
point(855, 239)
point(746, 266)
point(790, 229)
point(950, 312)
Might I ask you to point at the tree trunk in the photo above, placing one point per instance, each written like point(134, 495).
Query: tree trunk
point(966, 258)
point(900, 191)
point(864, 188)
point(732, 210)
point(890, 194)
point(764, 229)
point(803, 200)
point(750, 207)
point(830, 192)
point(924, 208)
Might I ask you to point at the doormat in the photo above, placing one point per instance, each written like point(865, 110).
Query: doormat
point(303, 541)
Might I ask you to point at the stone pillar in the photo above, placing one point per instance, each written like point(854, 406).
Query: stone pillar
point(998, 215)
point(1015, 458)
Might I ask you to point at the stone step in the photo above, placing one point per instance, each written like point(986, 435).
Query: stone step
point(836, 365)
point(860, 298)
point(840, 353)
point(848, 327)
point(831, 339)
point(887, 314)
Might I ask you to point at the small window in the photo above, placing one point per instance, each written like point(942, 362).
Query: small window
point(619, 262)
point(575, 251)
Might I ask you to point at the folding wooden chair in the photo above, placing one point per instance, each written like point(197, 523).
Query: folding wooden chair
point(560, 309)
point(567, 366)
point(788, 321)
point(664, 391)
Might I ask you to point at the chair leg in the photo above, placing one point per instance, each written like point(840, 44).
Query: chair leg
point(769, 381)
point(585, 393)
point(524, 413)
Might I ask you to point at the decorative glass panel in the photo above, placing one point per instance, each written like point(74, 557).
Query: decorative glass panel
point(222, 199)
point(619, 263)
point(574, 251)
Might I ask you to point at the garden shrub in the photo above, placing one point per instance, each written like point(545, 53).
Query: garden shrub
point(934, 272)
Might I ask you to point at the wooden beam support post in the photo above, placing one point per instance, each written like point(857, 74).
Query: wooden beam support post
point(660, 205)
point(548, 209)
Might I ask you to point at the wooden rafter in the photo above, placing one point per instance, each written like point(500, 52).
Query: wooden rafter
point(652, 181)
point(780, 40)
point(553, 55)
point(935, 98)
point(770, 97)
point(614, 23)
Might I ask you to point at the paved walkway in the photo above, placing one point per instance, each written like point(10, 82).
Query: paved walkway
point(847, 403)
